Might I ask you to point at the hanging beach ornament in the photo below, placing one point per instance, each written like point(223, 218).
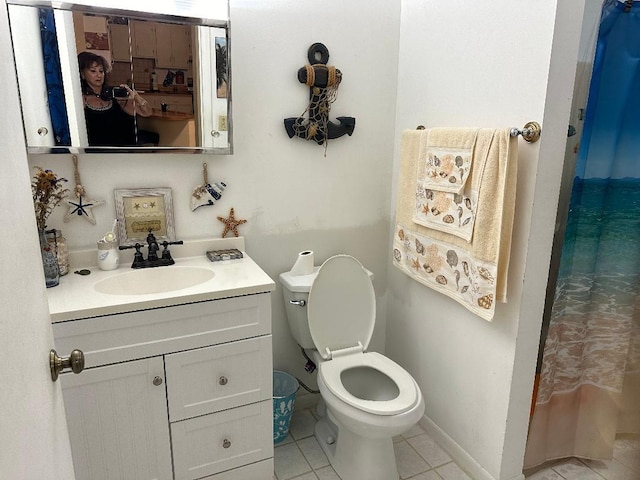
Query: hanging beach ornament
point(323, 81)
point(80, 206)
point(207, 193)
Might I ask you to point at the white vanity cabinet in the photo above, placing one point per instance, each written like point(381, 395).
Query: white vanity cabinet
point(178, 392)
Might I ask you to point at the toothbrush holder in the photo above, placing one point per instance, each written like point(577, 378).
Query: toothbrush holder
point(108, 255)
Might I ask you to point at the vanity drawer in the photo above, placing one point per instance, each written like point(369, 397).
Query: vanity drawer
point(221, 441)
point(129, 336)
point(218, 378)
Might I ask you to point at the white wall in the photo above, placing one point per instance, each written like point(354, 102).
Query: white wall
point(485, 63)
point(292, 196)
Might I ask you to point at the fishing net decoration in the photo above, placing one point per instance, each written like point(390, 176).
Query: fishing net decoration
point(323, 82)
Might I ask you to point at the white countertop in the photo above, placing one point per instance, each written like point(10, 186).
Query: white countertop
point(76, 297)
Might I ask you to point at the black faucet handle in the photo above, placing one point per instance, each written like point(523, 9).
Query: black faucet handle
point(137, 246)
point(138, 259)
point(166, 254)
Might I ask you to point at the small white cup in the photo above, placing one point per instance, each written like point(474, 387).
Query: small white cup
point(108, 255)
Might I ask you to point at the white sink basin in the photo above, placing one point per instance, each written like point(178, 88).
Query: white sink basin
point(154, 280)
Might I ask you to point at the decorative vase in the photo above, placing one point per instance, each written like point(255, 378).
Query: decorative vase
point(59, 244)
point(49, 261)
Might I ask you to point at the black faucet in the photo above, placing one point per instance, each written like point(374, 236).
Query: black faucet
point(152, 256)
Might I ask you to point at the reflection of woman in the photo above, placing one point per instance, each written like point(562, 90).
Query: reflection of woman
point(110, 121)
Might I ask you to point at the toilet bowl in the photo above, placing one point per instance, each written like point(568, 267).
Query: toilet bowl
point(369, 399)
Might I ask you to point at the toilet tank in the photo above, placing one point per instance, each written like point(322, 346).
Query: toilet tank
point(296, 288)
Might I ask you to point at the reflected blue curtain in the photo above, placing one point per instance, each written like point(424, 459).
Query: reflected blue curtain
point(53, 77)
point(589, 388)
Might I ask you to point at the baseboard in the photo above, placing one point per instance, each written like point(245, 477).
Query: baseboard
point(457, 453)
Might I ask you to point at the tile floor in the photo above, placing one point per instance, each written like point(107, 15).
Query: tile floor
point(300, 457)
point(624, 466)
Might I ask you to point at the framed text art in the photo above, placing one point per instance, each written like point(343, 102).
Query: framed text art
point(143, 210)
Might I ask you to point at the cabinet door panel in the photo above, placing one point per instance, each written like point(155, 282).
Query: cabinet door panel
point(120, 43)
point(173, 46)
point(163, 45)
point(221, 441)
point(144, 39)
point(117, 421)
point(181, 46)
point(218, 378)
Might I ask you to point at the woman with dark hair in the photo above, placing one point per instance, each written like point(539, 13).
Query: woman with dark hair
point(110, 119)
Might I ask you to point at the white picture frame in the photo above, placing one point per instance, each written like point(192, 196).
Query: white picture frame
point(143, 210)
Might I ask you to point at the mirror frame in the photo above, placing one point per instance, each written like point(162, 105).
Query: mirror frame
point(149, 16)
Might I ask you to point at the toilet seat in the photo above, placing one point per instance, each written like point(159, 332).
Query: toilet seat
point(331, 372)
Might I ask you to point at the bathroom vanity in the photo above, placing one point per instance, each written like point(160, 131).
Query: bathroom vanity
point(177, 384)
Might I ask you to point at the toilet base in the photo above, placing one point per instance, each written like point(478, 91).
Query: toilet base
point(354, 457)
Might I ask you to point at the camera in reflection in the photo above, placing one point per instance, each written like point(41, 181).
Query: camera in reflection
point(119, 92)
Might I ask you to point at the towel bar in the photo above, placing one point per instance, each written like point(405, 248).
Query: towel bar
point(530, 132)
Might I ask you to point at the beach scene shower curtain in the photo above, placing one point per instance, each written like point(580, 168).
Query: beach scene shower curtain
point(589, 388)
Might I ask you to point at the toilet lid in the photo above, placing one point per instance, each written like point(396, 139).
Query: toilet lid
point(342, 306)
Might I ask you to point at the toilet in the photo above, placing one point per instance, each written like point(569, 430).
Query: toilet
point(367, 399)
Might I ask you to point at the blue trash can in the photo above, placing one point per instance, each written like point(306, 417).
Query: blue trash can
point(285, 387)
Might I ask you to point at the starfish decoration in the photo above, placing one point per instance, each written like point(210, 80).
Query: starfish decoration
point(231, 224)
point(81, 207)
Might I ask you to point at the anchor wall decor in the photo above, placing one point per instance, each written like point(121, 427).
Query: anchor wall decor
point(323, 81)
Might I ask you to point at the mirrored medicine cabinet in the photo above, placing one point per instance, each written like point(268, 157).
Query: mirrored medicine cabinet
point(177, 60)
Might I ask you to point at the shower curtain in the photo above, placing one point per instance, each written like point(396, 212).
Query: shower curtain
point(589, 388)
point(53, 78)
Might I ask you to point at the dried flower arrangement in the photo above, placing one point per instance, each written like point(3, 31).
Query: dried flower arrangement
point(48, 191)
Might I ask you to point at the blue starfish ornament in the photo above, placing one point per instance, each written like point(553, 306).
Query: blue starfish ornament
point(82, 206)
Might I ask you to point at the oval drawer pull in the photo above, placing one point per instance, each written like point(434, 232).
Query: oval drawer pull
point(157, 381)
point(223, 380)
point(226, 443)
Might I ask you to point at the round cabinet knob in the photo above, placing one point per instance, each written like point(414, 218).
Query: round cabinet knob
point(43, 131)
point(157, 381)
point(223, 380)
point(226, 443)
point(215, 133)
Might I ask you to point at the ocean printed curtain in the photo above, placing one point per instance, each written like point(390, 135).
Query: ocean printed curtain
point(589, 388)
point(53, 77)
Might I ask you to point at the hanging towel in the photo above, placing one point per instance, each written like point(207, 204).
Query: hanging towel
point(472, 273)
point(450, 211)
point(446, 158)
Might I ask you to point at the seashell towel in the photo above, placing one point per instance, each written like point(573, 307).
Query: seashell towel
point(466, 261)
